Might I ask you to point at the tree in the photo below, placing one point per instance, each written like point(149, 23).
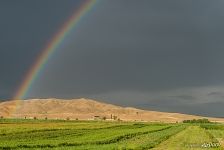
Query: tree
point(204, 120)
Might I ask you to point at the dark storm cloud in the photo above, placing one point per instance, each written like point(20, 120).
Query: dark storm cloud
point(25, 27)
point(215, 94)
point(184, 97)
point(143, 46)
point(164, 55)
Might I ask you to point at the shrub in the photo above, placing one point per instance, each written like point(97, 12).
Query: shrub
point(104, 118)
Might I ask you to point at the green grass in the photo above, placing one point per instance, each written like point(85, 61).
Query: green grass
point(194, 137)
point(59, 134)
point(216, 130)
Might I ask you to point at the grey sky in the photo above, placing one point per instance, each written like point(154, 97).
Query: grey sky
point(157, 54)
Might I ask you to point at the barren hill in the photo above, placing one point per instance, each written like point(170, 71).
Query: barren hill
point(85, 109)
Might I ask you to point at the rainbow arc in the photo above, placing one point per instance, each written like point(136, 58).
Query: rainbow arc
point(50, 48)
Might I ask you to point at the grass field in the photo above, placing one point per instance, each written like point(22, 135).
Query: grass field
point(58, 134)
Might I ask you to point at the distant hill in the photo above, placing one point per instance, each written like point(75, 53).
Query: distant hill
point(86, 109)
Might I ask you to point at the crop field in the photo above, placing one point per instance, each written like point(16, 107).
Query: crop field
point(100, 135)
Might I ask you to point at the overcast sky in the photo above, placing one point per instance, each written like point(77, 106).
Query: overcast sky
point(157, 55)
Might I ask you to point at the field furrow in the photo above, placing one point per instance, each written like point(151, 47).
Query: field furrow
point(103, 135)
point(65, 137)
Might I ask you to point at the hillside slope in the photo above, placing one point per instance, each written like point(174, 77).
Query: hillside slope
point(85, 109)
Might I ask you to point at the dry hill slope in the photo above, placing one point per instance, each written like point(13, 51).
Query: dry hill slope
point(85, 109)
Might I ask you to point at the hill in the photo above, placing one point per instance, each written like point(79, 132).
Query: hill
point(86, 109)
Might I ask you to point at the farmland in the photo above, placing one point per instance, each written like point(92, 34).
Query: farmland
point(60, 134)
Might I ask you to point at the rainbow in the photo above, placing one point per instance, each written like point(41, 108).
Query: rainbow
point(50, 48)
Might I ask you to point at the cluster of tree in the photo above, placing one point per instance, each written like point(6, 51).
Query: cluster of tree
point(197, 121)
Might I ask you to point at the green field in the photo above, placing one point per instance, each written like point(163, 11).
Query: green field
point(58, 134)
